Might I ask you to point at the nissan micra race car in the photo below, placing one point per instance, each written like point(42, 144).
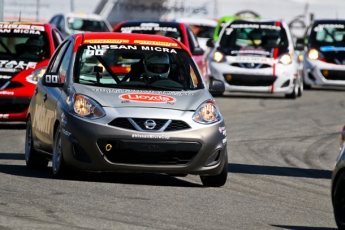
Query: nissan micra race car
point(324, 58)
point(25, 50)
point(256, 56)
point(88, 113)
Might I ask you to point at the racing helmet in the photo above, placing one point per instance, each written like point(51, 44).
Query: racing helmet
point(157, 64)
point(34, 45)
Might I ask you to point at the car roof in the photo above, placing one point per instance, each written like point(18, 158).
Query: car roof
point(24, 23)
point(84, 15)
point(162, 23)
point(198, 21)
point(329, 21)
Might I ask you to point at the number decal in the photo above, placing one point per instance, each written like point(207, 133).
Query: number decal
point(52, 79)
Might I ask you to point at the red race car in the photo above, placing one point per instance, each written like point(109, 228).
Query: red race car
point(177, 30)
point(25, 50)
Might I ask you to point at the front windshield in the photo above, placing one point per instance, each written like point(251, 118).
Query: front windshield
point(85, 24)
point(327, 34)
point(264, 35)
point(33, 47)
point(136, 66)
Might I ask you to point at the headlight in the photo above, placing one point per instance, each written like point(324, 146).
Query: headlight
point(86, 107)
point(313, 54)
point(36, 75)
point(207, 113)
point(218, 56)
point(285, 59)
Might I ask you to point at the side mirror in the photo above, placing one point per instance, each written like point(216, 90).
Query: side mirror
point(52, 80)
point(216, 87)
point(210, 43)
point(299, 44)
point(198, 51)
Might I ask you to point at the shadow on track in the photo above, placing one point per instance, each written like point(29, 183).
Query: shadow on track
point(104, 177)
point(279, 171)
point(13, 125)
point(252, 96)
point(302, 227)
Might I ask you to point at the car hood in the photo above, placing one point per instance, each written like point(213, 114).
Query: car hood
point(252, 51)
point(112, 97)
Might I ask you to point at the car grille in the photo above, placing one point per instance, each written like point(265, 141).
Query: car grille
point(333, 74)
point(11, 85)
point(249, 80)
point(13, 104)
point(149, 152)
point(250, 65)
point(138, 124)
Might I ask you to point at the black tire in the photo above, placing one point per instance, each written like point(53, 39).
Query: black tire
point(59, 167)
point(338, 198)
point(300, 89)
point(217, 180)
point(306, 86)
point(294, 93)
point(33, 159)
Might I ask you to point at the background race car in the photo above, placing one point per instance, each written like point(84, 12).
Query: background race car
point(256, 56)
point(25, 50)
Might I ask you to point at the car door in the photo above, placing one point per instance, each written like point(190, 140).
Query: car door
point(46, 99)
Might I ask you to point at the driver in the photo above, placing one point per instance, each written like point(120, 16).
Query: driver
point(157, 66)
point(33, 48)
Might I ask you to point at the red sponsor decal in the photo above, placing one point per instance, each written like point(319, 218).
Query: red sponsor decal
point(147, 97)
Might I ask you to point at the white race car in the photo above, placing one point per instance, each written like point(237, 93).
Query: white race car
point(256, 56)
point(324, 59)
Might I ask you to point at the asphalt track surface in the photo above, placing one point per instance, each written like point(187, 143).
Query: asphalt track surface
point(281, 156)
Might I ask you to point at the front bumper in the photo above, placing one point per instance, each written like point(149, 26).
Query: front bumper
point(278, 79)
point(98, 146)
point(13, 108)
point(321, 73)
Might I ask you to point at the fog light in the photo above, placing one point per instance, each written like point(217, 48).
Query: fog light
point(213, 159)
point(325, 72)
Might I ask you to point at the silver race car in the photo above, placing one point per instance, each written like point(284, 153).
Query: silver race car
point(324, 58)
point(126, 102)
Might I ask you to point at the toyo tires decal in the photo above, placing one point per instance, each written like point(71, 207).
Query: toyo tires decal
point(147, 98)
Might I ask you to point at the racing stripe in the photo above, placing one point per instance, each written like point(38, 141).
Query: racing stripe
point(275, 55)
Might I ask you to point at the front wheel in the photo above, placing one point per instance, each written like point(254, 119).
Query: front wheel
point(338, 198)
point(217, 180)
point(59, 167)
point(294, 93)
point(32, 158)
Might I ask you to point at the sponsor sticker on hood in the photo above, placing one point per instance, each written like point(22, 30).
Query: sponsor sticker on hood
point(147, 98)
